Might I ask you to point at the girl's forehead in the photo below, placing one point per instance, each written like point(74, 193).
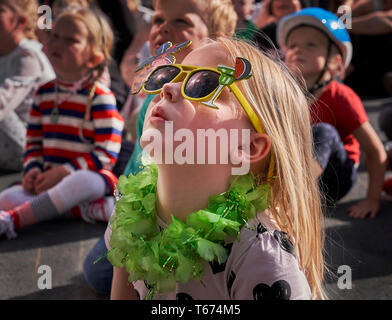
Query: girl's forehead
point(209, 55)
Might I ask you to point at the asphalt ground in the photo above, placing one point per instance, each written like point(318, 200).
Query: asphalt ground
point(358, 252)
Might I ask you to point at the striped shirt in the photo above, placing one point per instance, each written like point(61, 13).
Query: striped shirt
point(51, 144)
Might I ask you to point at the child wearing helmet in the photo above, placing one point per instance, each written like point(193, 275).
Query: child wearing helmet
point(318, 48)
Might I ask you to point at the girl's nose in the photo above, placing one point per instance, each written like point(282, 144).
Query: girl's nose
point(171, 91)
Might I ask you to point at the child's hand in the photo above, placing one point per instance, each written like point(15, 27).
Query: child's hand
point(28, 180)
point(49, 178)
point(363, 208)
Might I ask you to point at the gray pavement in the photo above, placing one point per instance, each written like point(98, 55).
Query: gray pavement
point(363, 245)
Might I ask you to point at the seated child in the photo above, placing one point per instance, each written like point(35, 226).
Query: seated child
point(74, 131)
point(196, 230)
point(187, 20)
point(318, 47)
point(23, 67)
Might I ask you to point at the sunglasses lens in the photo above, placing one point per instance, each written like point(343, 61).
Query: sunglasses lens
point(161, 76)
point(202, 83)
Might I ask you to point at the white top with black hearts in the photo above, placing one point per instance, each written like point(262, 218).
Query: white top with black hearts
point(262, 265)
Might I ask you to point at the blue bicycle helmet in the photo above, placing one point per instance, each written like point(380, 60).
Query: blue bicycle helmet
point(323, 20)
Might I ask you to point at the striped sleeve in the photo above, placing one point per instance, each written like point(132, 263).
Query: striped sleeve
point(34, 148)
point(108, 126)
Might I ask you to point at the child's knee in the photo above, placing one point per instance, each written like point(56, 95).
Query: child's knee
point(324, 132)
point(85, 182)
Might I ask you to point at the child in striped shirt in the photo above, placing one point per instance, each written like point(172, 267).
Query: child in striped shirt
point(74, 131)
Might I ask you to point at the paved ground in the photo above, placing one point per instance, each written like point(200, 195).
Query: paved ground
point(363, 245)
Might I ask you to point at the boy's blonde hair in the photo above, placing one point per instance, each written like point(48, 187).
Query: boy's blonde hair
point(282, 107)
point(27, 8)
point(219, 16)
point(60, 5)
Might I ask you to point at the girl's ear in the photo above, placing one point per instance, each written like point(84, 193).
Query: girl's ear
point(256, 150)
point(260, 145)
point(95, 60)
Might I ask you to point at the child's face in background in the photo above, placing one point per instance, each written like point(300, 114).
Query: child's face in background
point(281, 8)
point(8, 22)
point(68, 48)
point(243, 8)
point(306, 50)
point(177, 23)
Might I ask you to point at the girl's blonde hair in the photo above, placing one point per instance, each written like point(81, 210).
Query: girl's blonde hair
point(27, 8)
point(282, 107)
point(219, 15)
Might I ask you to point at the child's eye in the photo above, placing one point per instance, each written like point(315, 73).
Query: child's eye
point(71, 40)
point(182, 21)
point(157, 20)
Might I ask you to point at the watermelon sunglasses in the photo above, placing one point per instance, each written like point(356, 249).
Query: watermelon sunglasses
point(199, 83)
point(204, 84)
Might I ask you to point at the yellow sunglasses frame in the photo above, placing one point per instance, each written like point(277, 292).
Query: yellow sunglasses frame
point(211, 97)
point(207, 101)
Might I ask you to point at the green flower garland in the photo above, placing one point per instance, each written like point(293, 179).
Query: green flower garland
point(177, 253)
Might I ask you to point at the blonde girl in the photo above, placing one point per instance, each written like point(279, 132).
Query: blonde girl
point(74, 132)
point(278, 252)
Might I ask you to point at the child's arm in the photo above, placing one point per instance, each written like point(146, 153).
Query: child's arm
point(33, 158)
point(376, 161)
point(121, 288)
point(381, 22)
point(362, 7)
point(15, 89)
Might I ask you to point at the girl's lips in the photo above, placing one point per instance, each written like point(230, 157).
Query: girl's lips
point(158, 115)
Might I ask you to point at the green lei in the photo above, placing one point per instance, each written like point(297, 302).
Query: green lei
point(177, 253)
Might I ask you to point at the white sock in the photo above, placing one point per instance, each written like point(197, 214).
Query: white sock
point(79, 187)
